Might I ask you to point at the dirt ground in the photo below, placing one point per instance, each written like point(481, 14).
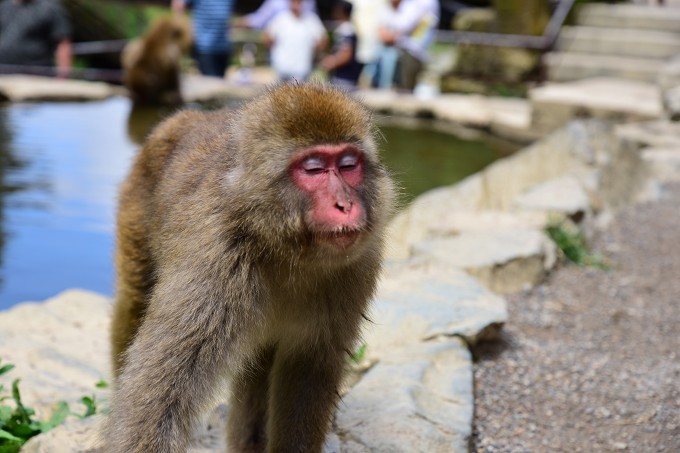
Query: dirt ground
point(590, 360)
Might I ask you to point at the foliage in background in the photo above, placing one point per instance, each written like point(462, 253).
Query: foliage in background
point(573, 245)
point(131, 19)
point(18, 422)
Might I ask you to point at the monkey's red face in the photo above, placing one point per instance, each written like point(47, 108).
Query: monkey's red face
point(331, 175)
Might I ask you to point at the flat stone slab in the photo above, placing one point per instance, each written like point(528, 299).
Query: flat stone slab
point(195, 88)
point(462, 221)
point(564, 195)
point(660, 133)
point(420, 300)
point(505, 261)
point(664, 163)
point(19, 88)
point(198, 88)
point(630, 16)
point(566, 66)
point(601, 97)
point(619, 41)
point(422, 403)
point(507, 117)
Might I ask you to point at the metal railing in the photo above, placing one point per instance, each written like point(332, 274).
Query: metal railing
point(103, 75)
point(543, 42)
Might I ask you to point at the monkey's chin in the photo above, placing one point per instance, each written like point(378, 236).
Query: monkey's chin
point(341, 240)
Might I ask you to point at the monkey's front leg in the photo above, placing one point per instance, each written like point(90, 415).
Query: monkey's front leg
point(246, 425)
point(170, 372)
point(303, 395)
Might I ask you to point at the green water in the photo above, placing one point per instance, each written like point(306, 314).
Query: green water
point(424, 155)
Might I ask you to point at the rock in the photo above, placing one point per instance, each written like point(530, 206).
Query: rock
point(59, 347)
point(664, 163)
point(671, 103)
point(422, 313)
point(669, 76)
point(573, 150)
point(659, 133)
point(509, 117)
point(412, 403)
point(555, 104)
point(505, 261)
point(20, 88)
point(420, 300)
point(563, 196)
point(74, 436)
point(458, 222)
point(198, 88)
point(85, 436)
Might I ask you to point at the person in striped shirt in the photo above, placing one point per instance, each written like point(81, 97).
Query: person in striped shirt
point(212, 48)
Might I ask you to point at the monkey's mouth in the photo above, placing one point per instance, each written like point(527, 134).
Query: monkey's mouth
point(342, 238)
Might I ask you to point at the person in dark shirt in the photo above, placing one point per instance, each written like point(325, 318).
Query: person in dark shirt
point(35, 33)
point(342, 63)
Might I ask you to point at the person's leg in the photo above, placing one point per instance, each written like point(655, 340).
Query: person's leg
point(410, 67)
point(388, 65)
point(211, 64)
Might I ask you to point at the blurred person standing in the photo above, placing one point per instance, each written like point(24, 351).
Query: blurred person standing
point(366, 17)
point(269, 10)
point(295, 36)
point(342, 63)
point(411, 30)
point(210, 18)
point(35, 33)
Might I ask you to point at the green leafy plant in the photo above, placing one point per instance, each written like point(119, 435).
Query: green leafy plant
point(360, 353)
point(18, 423)
point(573, 245)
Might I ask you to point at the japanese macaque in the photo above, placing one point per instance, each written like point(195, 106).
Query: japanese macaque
point(151, 64)
point(249, 243)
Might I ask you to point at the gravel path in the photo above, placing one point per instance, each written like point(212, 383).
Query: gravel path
point(590, 360)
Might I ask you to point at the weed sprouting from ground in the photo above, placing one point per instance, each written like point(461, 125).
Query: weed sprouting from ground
point(18, 422)
point(573, 245)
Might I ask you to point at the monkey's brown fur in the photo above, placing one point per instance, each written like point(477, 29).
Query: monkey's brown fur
point(151, 63)
point(220, 270)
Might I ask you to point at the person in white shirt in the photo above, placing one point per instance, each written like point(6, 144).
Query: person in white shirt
point(411, 29)
point(295, 36)
point(268, 10)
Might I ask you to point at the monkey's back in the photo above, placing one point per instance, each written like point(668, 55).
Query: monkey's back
point(176, 149)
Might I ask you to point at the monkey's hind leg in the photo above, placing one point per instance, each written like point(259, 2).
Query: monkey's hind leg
point(247, 423)
point(134, 281)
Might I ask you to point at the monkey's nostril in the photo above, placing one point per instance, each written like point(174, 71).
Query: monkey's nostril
point(344, 206)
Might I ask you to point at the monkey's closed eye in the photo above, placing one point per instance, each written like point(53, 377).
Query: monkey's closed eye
point(348, 162)
point(313, 165)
